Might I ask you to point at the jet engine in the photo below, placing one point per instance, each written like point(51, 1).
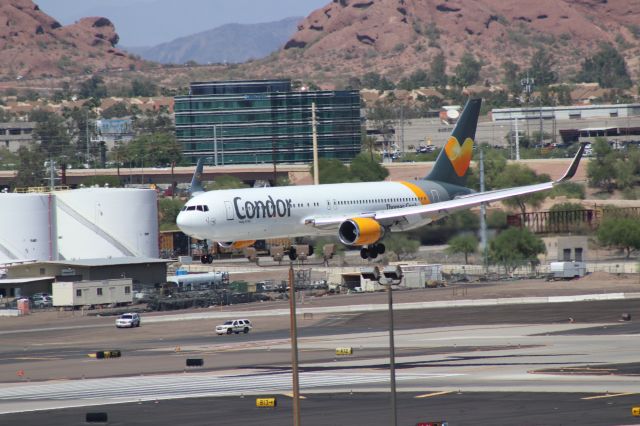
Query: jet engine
point(237, 244)
point(360, 232)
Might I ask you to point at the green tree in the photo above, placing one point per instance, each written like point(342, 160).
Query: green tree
point(401, 245)
point(542, 68)
point(168, 209)
point(416, 80)
point(332, 171)
point(143, 87)
point(438, 70)
point(226, 182)
point(607, 67)
point(373, 80)
point(515, 247)
point(93, 87)
point(366, 170)
point(464, 244)
point(155, 149)
point(622, 232)
point(30, 170)
point(52, 134)
point(512, 77)
point(117, 110)
point(569, 190)
point(468, 71)
point(601, 169)
point(520, 175)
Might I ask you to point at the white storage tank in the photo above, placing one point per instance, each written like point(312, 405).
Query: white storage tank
point(107, 222)
point(27, 227)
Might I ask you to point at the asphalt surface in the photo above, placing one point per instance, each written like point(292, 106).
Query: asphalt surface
point(467, 408)
point(62, 354)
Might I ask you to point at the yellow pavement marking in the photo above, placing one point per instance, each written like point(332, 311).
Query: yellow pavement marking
point(429, 395)
point(610, 395)
point(290, 395)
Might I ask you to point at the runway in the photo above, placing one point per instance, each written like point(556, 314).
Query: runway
point(509, 351)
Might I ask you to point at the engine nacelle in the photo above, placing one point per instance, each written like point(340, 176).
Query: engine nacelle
point(360, 232)
point(236, 244)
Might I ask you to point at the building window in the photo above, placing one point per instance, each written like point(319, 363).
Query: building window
point(79, 292)
point(575, 116)
point(613, 114)
point(99, 290)
point(127, 289)
point(42, 271)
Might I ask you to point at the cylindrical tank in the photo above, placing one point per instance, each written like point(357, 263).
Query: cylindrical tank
point(107, 222)
point(26, 227)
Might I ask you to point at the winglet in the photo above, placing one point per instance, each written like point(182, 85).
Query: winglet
point(196, 180)
point(571, 171)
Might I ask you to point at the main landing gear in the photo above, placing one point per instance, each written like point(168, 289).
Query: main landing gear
point(372, 251)
point(206, 257)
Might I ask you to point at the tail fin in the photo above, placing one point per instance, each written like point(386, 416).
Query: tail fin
point(452, 163)
point(196, 180)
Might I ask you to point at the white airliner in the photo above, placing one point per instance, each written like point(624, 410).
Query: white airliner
point(359, 213)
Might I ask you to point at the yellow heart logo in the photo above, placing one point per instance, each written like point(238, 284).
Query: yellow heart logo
point(460, 156)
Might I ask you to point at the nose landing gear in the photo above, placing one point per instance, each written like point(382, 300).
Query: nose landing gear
point(206, 257)
point(372, 251)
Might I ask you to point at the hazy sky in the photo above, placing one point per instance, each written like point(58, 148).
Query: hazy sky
point(150, 22)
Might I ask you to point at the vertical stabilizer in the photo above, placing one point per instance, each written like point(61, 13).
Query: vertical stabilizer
point(196, 180)
point(453, 162)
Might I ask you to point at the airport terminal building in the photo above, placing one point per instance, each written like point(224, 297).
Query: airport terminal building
point(265, 121)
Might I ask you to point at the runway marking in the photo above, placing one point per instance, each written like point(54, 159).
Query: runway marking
point(609, 395)
point(290, 395)
point(429, 395)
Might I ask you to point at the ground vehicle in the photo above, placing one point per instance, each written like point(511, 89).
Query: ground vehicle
point(42, 301)
point(234, 326)
point(128, 320)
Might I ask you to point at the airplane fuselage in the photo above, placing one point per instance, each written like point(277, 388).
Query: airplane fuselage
point(281, 212)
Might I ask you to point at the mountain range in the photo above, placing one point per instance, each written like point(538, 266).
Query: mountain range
point(230, 43)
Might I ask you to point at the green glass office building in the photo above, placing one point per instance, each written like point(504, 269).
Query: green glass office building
point(259, 121)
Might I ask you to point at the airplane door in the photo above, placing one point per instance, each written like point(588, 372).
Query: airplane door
point(328, 204)
point(335, 204)
point(229, 208)
point(435, 196)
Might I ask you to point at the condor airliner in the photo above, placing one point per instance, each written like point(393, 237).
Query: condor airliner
point(360, 214)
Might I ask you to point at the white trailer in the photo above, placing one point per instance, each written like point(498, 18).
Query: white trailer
point(93, 293)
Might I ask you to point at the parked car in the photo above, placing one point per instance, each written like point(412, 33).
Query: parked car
point(128, 320)
point(41, 301)
point(234, 326)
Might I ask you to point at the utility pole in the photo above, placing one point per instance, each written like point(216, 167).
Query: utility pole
point(314, 133)
point(215, 145)
point(294, 347)
point(483, 215)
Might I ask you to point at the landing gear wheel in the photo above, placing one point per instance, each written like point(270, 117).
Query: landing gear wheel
point(380, 248)
point(372, 251)
point(364, 253)
point(293, 254)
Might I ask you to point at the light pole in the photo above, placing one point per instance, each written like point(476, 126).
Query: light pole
point(388, 278)
point(294, 348)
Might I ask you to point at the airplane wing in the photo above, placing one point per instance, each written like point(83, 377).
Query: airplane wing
point(444, 208)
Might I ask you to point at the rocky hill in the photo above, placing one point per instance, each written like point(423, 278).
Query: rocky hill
point(230, 43)
point(395, 37)
point(33, 44)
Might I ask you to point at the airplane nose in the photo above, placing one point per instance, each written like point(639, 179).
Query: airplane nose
point(181, 221)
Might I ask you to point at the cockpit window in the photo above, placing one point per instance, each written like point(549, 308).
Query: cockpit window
point(191, 208)
point(206, 208)
point(199, 208)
